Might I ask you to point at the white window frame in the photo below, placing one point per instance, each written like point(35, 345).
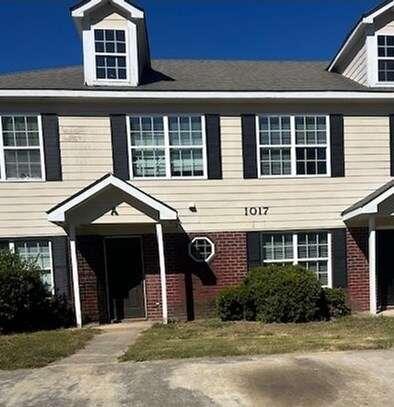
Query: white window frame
point(3, 175)
point(295, 260)
point(114, 54)
point(378, 58)
point(167, 146)
point(293, 146)
point(11, 246)
point(210, 257)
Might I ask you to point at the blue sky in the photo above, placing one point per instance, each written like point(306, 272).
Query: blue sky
point(40, 33)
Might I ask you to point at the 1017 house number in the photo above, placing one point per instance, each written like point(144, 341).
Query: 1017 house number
point(256, 210)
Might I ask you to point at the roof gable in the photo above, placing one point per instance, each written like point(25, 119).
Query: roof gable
point(366, 19)
point(86, 6)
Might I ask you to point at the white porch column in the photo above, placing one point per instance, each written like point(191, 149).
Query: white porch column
point(74, 267)
point(163, 277)
point(373, 308)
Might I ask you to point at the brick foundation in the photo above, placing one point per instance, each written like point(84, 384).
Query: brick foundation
point(358, 269)
point(191, 287)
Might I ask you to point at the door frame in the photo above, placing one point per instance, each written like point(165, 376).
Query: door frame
point(126, 237)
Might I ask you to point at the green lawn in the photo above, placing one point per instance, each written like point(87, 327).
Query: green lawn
point(23, 351)
point(215, 338)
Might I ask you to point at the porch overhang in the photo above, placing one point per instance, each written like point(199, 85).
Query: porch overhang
point(378, 203)
point(103, 195)
point(375, 207)
point(95, 201)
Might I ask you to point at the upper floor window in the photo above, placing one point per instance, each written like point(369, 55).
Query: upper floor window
point(21, 148)
point(111, 55)
point(386, 58)
point(293, 145)
point(167, 146)
point(310, 250)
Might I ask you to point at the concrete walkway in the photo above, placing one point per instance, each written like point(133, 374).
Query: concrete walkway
point(348, 379)
point(109, 345)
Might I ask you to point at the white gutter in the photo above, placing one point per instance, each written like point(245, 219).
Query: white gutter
point(226, 95)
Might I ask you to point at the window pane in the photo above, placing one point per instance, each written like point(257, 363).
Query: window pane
point(185, 130)
point(37, 252)
point(201, 249)
point(275, 130)
point(187, 162)
point(311, 161)
point(386, 70)
point(277, 247)
point(148, 163)
point(311, 129)
point(275, 161)
point(147, 131)
point(22, 164)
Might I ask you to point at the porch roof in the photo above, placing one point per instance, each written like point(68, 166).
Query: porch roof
point(104, 194)
point(371, 204)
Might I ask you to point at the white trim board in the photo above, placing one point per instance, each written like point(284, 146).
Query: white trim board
point(192, 95)
point(58, 215)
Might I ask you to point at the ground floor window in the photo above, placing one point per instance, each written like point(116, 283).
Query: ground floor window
point(36, 251)
point(311, 250)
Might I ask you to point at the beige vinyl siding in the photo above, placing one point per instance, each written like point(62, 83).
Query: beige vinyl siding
point(357, 69)
point(295, 203)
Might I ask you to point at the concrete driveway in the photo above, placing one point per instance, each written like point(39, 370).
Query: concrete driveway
point(325, 379)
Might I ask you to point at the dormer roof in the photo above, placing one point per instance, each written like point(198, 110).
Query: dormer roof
point(86, 6)
point(359, 29)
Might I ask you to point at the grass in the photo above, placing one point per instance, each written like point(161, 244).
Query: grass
point(38, 349)
point(212, 338)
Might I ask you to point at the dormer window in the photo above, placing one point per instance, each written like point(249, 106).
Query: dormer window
point(115, 42)
point(386, 58)
point(111, 56)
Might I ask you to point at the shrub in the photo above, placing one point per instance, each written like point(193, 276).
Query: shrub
point(234, 304)
point(25, 302)
point(281, 294)
point(333, 303)
point(284, 293)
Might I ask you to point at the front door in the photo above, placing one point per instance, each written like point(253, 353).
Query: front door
point(125, 278)
point(385, 265)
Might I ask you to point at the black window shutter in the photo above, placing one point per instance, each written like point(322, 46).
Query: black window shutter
point(61, 265)
point(392, 145)
point(337, 146)
point(339, 267)
point(50, 132)
point(120, 152)
point(254, 249)
point(214, 151)
point(249, 145)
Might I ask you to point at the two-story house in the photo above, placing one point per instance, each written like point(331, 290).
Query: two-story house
point(145, 186)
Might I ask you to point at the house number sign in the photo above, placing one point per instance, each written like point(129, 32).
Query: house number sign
point(256, 210)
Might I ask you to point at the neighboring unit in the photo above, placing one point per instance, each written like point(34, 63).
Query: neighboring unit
point(143, 187)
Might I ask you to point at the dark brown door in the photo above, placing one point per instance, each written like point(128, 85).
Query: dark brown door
point(125, 278)
point(385, 263)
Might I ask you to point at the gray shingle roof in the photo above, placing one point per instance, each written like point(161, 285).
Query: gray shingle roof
point(369, 198)
point(195, 75)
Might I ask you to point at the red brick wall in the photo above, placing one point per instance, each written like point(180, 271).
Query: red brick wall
point(92, 278)
point(358, 269)
point(192, 287)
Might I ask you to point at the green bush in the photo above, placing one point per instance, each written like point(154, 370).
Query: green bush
point(333, 303)
point(284, 293)
point(281, 294)
point(25, 302)
point(234, 304)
